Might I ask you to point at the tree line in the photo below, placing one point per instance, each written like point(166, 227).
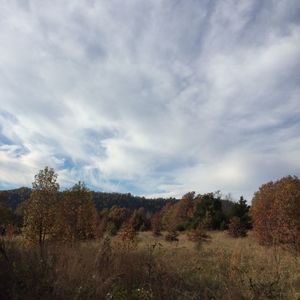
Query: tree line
point(74, 215)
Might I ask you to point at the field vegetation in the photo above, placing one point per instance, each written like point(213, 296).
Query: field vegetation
point(58, 245)
point(149, 267)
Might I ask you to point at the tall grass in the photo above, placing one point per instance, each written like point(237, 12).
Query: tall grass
point(224, 268)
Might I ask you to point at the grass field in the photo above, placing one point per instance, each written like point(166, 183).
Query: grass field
point(151, 268)
point(240, 267)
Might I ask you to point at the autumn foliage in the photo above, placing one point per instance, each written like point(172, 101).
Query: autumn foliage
point(71, 215)
point(276, 212)
point(78, 214)
point(156, 225)
point(40, 217)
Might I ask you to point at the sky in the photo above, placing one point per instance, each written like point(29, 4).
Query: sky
point(156, 98)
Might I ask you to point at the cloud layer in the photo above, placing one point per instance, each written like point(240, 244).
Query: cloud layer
point(150, 97)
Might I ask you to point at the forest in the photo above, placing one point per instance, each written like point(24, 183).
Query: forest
point(80, 244)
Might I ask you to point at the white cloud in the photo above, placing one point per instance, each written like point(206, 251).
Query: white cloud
point(156, 97)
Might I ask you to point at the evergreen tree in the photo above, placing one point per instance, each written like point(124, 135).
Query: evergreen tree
point(241, 210)
point(208, 211)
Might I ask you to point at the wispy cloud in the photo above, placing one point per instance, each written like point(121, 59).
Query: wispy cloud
point(150, 97)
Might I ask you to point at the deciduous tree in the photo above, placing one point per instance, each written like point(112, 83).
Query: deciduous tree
point(117, 216)
point(40, 214)
point(138, 219)
point(184, 211)
point(79, 213)
point(6, 217)
point(156, 225)
point(276, 212)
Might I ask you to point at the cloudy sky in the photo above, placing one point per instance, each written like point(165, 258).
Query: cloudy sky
point(150, 97)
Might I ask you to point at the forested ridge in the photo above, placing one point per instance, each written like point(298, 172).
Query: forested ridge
point(102, 200)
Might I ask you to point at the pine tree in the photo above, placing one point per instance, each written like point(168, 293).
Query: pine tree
point(241, 210)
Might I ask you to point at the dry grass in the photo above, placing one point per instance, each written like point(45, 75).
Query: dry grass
point(240, 268)
point(151, 268)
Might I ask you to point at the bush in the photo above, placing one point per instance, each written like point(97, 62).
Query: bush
point(236, 228)
point(143, 228)
point(127, 235)
point(199, 236)
point(181, 227)
point(171, 236)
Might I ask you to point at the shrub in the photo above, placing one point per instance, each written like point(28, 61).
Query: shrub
point(199, 236)
point(127, 236)
point(143, 228)
point(172, 236)
point(236, 228)
point(181, 227)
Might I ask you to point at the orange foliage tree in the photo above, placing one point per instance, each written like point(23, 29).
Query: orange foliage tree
point(184, 210)
point(156, 225)
point(276, 212)
point(41, 210)
point(79, 213)
point(117, 216)
point(177, 216)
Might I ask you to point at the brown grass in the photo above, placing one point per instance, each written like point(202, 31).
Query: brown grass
point(224, 268)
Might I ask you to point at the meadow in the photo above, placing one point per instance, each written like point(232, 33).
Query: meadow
point(148, 267)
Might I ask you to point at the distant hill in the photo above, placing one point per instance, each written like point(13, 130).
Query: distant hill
point(107, 200)
point(14, 197)
point(102, 200)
